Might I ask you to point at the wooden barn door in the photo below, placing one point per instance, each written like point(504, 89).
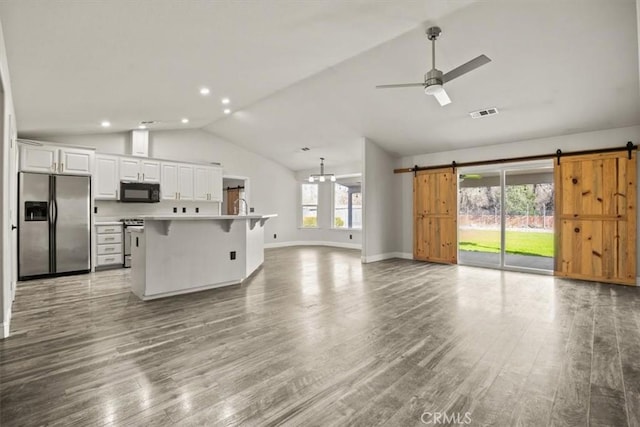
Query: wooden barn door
point(233, 194)
point(596, 217)
point(435, 216)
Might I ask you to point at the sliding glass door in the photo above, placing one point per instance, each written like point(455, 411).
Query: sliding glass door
point(505, 216)
point(479, 217)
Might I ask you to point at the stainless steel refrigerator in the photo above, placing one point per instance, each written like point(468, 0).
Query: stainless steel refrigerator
point(54, 229)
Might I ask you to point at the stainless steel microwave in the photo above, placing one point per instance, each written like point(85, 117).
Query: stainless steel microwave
point(139, 192)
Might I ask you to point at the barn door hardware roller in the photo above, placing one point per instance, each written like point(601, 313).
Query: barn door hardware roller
point(630, 148)
point(558, 154)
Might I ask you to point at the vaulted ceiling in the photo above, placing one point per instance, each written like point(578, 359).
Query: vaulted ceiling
point(303, 74)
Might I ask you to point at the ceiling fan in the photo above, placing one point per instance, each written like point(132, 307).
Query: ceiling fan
point(434, 79)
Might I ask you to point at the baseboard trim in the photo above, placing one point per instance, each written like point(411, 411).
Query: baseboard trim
point(5, 329)
point(388, 255)
point(404, 255)
point(313, 243)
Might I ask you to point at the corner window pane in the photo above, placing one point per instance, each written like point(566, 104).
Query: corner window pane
point(347, 205)
point(309, 194)
point(309, 216)
point(309, 205)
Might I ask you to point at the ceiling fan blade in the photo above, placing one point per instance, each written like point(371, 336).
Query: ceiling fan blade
point(399, 85)
point(465, 68)
point(442, 97)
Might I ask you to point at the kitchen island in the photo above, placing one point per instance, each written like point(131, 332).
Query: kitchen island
point(177, 254)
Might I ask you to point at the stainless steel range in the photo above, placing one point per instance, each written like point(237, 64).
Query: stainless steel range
point(127, 225)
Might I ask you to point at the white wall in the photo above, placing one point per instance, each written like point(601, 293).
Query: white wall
point(381, 194)
point(325, 234)
point(273, 187)
point(581, 141)
point(7, 182)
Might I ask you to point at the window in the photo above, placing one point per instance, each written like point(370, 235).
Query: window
point(309, 205)
point(347, 205)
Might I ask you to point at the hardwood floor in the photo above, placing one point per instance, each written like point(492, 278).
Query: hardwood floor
point(316, 338)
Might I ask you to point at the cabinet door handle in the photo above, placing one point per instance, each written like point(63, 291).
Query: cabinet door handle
point(143, 176)
point(61, 167)
point(55, 166)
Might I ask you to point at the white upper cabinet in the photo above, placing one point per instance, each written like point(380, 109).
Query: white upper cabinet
point(51, 159)
point(177, 181)
point(106, 180)
point(75, 162)
point(201, 184)
point(207, 183)
point(185, 182)
point(215, 180)
point(140, 143)
point(136, 169)
point(169, 181)
point(38, 159)
point(129, 169)
point(150, 170)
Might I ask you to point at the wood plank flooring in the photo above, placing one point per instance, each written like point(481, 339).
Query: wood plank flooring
point(317, 338)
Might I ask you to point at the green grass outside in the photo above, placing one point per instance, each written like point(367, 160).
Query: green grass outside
point(517, 242)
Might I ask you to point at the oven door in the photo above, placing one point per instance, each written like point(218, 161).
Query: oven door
point(127, 244)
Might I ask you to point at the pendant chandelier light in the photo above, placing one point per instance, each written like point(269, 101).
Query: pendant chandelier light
point(322, 177)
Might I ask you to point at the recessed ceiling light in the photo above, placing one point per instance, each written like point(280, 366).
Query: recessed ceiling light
point(142, 126)
point(227, 111)
point(105, 123)
point(204, 91)
point(185, 120)
point(225, 101)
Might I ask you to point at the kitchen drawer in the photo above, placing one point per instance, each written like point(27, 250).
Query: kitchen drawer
point(105, 229)
point(109, 238)
point(109, 259)
point(110, 249)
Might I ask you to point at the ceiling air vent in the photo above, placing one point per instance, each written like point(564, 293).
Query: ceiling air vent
point(305, 149)
point(483, 113)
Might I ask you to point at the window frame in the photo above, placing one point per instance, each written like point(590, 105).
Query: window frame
point(333, 206)
point(302, 206)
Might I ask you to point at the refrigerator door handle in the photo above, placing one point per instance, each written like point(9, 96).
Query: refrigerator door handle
point(55, 209)
point(50, 218)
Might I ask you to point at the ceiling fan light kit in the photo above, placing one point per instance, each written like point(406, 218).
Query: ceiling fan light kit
point(322, 177)
point(434, 79)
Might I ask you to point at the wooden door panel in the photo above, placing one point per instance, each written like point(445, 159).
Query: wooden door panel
point(435, 221)
point(596, 222)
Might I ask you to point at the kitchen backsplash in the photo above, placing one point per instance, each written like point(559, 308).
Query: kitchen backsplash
point(112, 210)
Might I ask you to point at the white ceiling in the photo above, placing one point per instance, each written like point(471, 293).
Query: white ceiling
point(303, 73)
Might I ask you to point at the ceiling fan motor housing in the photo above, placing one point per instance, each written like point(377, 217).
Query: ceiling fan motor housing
point(432, 81)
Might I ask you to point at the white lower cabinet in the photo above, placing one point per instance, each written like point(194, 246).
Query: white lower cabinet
point(109, 251)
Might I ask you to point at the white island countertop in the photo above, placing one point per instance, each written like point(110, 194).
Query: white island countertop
point(204, 217)
point(166, 221)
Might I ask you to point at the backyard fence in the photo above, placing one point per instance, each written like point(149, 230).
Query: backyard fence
point(542, 222)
